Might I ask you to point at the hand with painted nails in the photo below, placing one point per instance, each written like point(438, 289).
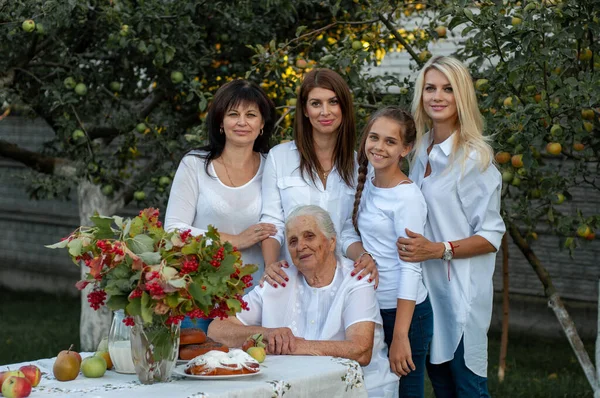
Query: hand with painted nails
point(274, 274)
point(364, 267)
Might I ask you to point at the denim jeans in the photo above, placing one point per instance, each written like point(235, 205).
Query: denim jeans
point(453, 379)
point(419, 335)
point(200, 324)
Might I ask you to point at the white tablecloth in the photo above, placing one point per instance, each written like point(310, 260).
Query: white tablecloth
point(294, 376)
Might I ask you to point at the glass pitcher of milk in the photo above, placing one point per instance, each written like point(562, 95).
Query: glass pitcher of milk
point(119, 346)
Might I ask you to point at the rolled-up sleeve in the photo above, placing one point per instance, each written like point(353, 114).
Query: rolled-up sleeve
point(181, 209)
point(414, 219)
point(272, 210)
point(479, 193)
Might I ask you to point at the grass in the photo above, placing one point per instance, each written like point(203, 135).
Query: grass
point(36, 325)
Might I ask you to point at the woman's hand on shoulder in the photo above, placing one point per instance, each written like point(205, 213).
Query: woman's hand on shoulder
point(417, 248)
point(401, 361)
point(365, 266)
point(254, 234)
point(274, 274)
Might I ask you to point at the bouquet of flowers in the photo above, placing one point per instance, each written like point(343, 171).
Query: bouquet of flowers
point(159, 276)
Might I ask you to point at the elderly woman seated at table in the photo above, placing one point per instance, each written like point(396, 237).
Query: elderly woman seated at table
point(323, 311)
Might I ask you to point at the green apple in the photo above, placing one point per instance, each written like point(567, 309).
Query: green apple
point(507, 176)
point(69, 83)
point(81, 89)
point(28, 25)
point(94, 366)
point(516, 181)
point(164, 180)
point(481, 84)
point(441, 31)
point(107, 189)
point(556, 130)
point(516, 21)
point(139, 195)
point(124, 30)
point(77, 135)
point(357, 45)
point(257, 353)
point(115, 86)
point(141, 127)
point(403, 90)
point(40, 29)
point(176, 77)
point(559, 198)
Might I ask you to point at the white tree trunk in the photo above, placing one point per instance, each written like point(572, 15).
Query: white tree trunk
point(94, 325)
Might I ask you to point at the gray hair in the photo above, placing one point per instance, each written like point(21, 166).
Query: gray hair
point(320, 215)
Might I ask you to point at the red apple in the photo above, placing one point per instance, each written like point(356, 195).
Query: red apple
point(16, 387)
point(32, 373)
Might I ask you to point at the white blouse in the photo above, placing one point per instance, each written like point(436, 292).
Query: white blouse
point(383, 215)
point(461, 202)
point(198, 199)
point(324, 314)
point(284, 189)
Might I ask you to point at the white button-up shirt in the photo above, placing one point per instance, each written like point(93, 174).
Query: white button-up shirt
point(198, 199)
point(326, 313)
point(461, 202)
point(383, 216)
point(284, 189)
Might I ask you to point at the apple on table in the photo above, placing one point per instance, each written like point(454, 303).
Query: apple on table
point(16, 387)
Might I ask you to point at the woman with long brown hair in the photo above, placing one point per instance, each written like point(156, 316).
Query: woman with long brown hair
point(317, 168)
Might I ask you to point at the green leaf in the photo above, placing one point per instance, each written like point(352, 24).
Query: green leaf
point(146, 308)
point(234, 305)
point(191, 248)
point(134, 308)
point(58, 245)
point(468, 13)
point(248, 269)
point(140, 244)
point(199, 295)
point(299, 30)
point(75, 247)
point(150, 258)
point(137, 226)
point(117, 302)
point(226, 267)
point(103, 224)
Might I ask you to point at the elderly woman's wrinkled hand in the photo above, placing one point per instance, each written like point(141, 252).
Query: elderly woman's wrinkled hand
point(274, 274)
point(365, 266)
point(280, 341)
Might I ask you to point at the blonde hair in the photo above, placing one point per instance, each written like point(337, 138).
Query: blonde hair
point(469, 136)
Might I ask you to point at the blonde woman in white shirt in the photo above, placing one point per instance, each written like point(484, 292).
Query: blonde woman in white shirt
point(220, 184)
point(329, 311)
point(317, 168)
point(453, 167)
point(386, 204)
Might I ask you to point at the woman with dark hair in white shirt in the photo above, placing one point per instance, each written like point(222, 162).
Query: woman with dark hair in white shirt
point(220, 184)
point(453, 167)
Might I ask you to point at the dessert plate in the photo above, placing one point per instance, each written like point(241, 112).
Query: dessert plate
point(180, 370)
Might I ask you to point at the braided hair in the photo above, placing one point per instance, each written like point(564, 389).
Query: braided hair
point(408, 136)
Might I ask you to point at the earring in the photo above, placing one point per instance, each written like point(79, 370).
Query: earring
point(261, 132)
point(221, 130)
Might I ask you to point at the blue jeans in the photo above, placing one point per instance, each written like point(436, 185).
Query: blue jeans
point(453, 379)
point(419, 335)
point(200, 323)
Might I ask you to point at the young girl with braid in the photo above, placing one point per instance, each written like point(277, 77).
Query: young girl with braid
point(386, 204)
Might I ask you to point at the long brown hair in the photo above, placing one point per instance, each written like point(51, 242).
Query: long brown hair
point(343, 153)
point(408, 134)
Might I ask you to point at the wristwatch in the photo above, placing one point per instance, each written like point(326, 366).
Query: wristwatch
point(448, 251)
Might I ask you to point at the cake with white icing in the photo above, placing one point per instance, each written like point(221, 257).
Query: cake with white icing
point(218, 363)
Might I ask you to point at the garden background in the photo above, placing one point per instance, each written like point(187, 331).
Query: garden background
point(100, 99)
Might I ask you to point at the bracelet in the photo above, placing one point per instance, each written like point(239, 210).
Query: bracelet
point(452, 248)
point(368, 254)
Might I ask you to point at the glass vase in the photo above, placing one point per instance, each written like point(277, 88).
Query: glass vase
point(154, 348)
point(119, 344)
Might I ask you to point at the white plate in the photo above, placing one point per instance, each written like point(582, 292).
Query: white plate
point(179, 370)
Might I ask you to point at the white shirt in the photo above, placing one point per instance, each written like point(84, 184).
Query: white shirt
point(198, 199)
point(461, 203)
point(383, 215)
point(324, 314)
point(284, 189)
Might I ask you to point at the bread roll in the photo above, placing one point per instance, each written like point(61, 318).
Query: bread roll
point(192, 336)
point(191, 351)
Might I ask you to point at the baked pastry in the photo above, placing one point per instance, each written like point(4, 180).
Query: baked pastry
point(218, 363)
point(192, 336)
point(190, 351)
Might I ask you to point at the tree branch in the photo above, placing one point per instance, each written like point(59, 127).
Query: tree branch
point(398, 37)
point(37, 161)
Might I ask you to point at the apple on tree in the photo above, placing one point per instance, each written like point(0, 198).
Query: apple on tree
point(28, 25)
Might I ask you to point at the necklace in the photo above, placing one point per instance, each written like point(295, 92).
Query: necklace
point(325, 173)
point(227, 170)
